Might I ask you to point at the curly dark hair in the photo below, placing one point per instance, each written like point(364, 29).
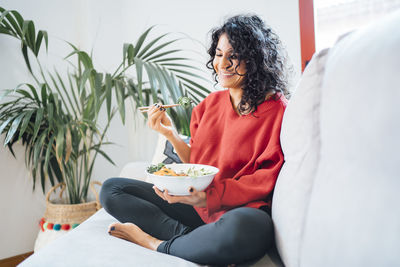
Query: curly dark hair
point(260, 48)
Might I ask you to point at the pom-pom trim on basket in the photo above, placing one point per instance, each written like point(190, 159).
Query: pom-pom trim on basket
point(56, 226)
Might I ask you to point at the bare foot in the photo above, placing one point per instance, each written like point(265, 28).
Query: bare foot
point(133, 233)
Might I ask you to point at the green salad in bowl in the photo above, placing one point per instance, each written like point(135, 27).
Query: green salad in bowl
point(178, 178)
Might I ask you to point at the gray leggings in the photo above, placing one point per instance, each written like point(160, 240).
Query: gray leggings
point(240, 235)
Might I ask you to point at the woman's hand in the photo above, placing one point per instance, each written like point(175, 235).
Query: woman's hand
point(196, 198)
point(159, 121)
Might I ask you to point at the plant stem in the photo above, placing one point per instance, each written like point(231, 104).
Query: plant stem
point(100, 143)
point(117, 70)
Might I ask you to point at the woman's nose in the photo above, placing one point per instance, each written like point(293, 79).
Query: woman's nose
point(225, 63)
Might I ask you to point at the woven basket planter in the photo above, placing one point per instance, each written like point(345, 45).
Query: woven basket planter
point(61, 218)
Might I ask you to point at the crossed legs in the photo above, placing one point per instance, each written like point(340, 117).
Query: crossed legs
point(240, 235)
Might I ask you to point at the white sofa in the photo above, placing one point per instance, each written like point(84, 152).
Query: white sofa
point(336, 201)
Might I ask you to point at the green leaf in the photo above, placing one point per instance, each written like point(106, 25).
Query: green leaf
point(50, 113)
point(132, 90)
point(48, 154)
point(60, 144)
point(128, 52)
point(38, 147)
point(88, 111)
point(108, 93)
point(82, 56)
point(152, 79)
point(141, 40)
point(170, 59)
point(84, 78)
point(163, 54)
point(196, 99)
point(4, 125)
point(39, 39)
point(46, 39)
point(25, 93)
point(202, 88)
point(161, 82)
point(7, 27)
point(6, 31)
point(66, 92)
point(195, 90)
point(18, 17)
point(25, 122)
point(24, 50)
point(98, 78)
point(3, 15)
point(73, 46)
point(180, 65)
point(38, 121)
point(125, 51)
point(31, 35)
point(139, 76)
point(149, 45)
point(74, 95)
point(34, 92)
point(44, 94)
point(158, 48)
point(189, 73)
point(14, 24)
point(120, 99)
point(105, 155)
point(13, 128)
point(54, 171)
point(28, 31)
point(43, 176)
point(85, 59)
point(68, 143)
point(171, 86)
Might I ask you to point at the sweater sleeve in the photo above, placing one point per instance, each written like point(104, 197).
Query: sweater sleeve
point(195, 120)
point(230, 193)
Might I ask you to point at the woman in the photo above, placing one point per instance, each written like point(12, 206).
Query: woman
point(236, 130)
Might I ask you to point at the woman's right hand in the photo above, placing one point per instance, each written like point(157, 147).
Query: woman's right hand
point(159, 120)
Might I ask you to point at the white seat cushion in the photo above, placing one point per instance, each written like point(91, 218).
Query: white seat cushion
point(90, 245)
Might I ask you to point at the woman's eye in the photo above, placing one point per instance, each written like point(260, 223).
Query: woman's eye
point(233, 57)
point(218, 55)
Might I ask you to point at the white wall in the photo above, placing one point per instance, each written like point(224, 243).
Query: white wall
point(105, 26)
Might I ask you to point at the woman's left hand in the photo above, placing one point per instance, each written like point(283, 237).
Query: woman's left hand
point(196, 198)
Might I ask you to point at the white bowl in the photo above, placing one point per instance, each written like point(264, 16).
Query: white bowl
point(179, 185)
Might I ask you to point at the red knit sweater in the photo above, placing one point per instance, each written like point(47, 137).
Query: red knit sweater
point(246, 149)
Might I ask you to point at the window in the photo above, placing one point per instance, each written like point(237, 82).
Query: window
point(336, 17)
point(332, 18)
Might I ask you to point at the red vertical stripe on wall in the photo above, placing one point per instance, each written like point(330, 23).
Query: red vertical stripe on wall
point(307, 33)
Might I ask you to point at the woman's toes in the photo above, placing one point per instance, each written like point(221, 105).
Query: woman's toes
point(125, 229)
point(112, 226)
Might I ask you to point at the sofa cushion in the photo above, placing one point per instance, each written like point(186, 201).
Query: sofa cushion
point(90, 245)
point(135, 170)
point(300, 144)
point(165, 152)
point(354, 213)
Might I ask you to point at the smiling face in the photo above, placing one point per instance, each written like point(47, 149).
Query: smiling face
point(225, 63)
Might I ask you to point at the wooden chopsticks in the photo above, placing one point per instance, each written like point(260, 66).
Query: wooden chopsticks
point(144, 109)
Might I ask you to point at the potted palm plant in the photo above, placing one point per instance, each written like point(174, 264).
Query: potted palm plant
point(57, 117)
